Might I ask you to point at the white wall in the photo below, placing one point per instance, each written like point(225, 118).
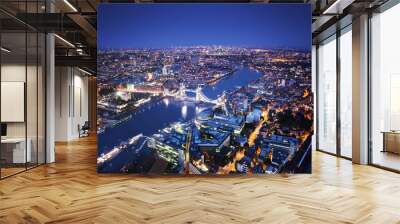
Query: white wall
point(71, 102)
point(80, 110)
point(61, 103)
point(17, 73)
point(14, 73)
point(33, 127)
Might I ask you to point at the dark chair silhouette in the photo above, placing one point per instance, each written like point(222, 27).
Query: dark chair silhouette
point(84, 130)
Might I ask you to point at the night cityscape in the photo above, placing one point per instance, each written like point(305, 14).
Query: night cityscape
point(204, 104)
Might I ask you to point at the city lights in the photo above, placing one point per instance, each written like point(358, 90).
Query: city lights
point(239, 112)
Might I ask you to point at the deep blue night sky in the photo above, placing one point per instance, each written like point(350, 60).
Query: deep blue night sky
point(171, 25)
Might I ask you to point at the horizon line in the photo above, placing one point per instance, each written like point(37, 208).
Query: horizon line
point(203, 46)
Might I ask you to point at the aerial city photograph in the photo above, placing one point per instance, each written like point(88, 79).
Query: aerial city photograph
point(204, 89)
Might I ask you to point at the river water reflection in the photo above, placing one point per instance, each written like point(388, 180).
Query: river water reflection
point(155, 116)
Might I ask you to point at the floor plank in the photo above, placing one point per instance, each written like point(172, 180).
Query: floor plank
point(70, 191)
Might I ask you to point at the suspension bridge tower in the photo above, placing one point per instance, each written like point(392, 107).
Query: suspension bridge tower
point(182, 90)
point(198, 93)
point(222, 101)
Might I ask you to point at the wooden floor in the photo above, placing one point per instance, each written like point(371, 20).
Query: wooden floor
point(386, 159)
point(5, 172)
point(70, 191)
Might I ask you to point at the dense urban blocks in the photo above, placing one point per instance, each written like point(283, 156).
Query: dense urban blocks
point(204, 109)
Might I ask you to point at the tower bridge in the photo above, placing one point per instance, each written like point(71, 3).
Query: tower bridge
point(199, 95)
point(181, 93)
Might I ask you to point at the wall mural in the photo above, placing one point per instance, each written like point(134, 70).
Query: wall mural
point(204, 88)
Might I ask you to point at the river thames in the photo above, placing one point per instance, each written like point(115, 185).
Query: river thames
point(151, 118)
